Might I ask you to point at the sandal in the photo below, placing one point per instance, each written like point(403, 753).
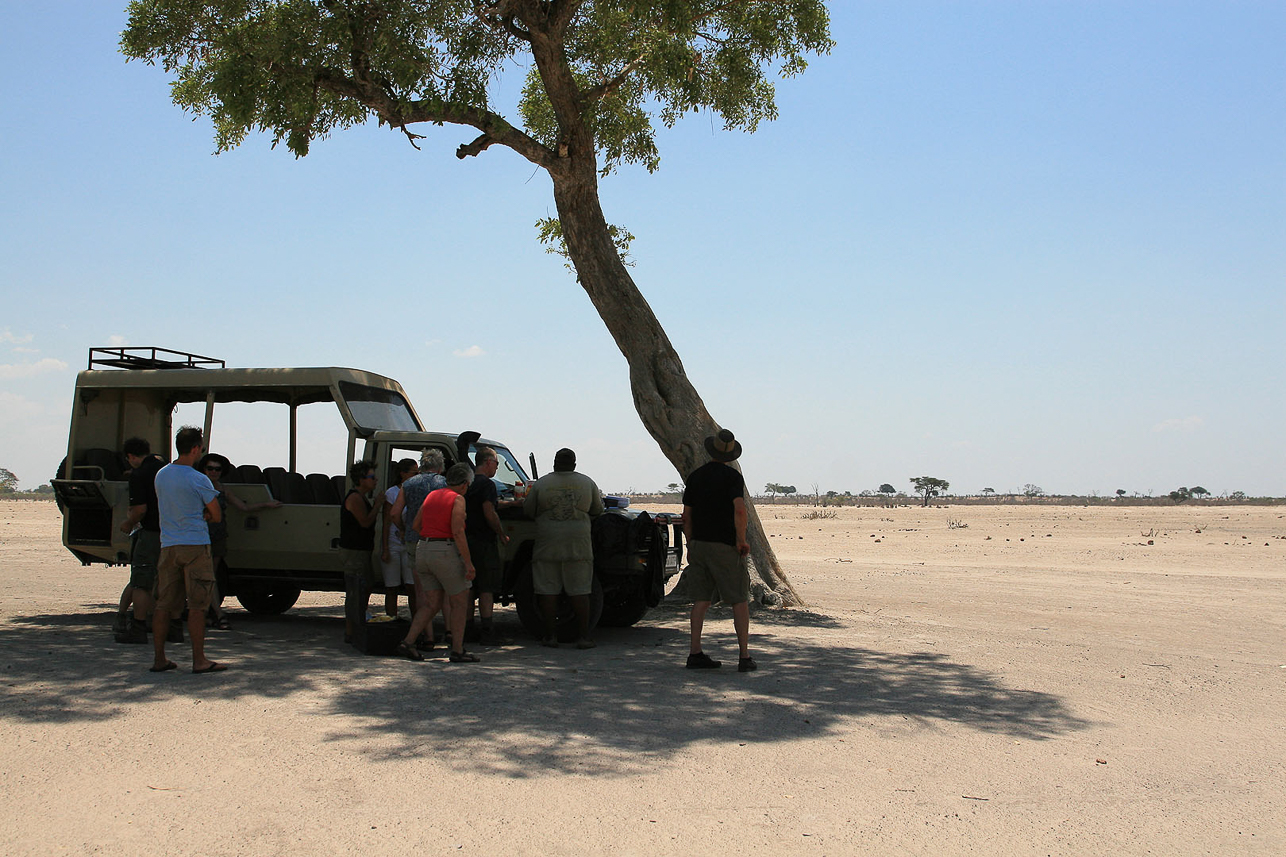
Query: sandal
point(463, 658)
point(409, 652)
point(222, 623)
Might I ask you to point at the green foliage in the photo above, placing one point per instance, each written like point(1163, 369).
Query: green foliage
point(8, 481)
point(550, 232)
point(887, 489)
point(929, 486)
point(300, 69)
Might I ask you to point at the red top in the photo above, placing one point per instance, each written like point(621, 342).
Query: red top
point(435, 514)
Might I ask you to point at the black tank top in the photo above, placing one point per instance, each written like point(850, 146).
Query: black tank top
point(353, 535)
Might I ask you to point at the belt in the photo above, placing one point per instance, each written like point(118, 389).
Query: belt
point(447, 539)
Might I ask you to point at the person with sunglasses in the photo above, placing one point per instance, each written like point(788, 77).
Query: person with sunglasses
point(216, 467)
point(357, 517)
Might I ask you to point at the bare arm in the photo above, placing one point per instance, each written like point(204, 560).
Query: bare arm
point(365, 517)
point(135, 515)
point(213, 513)
point(687, 523)
point(493, 521)
point(237, 503)
point(739, 518)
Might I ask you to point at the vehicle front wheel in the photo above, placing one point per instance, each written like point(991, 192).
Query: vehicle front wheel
point(268, 600)
point(526, 600)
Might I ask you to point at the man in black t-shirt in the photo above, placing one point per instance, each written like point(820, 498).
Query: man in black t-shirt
point(483, 528)
point(714, 525)
point(144, 523)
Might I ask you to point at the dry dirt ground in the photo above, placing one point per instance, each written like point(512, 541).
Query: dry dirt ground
point(994, 680)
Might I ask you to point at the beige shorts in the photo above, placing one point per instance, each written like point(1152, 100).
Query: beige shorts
point(438, 566)
point(550, 577)
point(185, 574)
point(717, 571)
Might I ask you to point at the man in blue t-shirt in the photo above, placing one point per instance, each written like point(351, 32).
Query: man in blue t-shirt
point(187, 503)
point(714, 525)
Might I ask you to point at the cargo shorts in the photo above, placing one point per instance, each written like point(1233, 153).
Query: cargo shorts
point(145, 555)
point(573, 576)
point(717, 571)
point(185, 573)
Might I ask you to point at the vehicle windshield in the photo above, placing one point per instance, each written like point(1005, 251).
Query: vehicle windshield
point(510, 471)
point(375, 408)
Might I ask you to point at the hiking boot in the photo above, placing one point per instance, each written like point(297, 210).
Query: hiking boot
point(135, 632)
point(702, 661)
point(746, 665)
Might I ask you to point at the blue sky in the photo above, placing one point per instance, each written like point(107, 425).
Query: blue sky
point(994, 242)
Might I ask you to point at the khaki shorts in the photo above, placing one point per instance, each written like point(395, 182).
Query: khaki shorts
point(550, 577)
point(438, 566)
point(717, 572)
point(186, 573)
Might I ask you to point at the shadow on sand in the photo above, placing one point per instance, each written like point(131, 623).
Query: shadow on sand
point(612, 710)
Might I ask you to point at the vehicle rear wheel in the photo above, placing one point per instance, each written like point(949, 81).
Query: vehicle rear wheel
point(533, 621)
point(268, 599)
point(624, 613)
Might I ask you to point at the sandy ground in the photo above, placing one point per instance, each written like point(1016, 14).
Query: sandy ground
point(995, 680)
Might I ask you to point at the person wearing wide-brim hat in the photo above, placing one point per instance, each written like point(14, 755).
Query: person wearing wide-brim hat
point(714, 525)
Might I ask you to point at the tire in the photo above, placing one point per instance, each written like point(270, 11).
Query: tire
point(625, 612)
point(534, 622)
point(268, 599)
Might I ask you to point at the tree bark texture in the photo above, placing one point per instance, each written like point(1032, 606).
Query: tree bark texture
point(667, 403)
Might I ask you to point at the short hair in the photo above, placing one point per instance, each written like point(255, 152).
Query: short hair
point(188, 439)
point(359, 470)
point(137, 446)
point(459, 474)
point(407, 465)
point(484, 454)
point(431, 461)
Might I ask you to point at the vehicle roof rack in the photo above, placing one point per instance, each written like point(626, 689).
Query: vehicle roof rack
point(151, 358)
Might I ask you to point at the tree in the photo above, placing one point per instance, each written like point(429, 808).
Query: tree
point(988, 492)
point(1180, 494)
point(928, 486)
point(1120, 492)
point(8, 481)
point(673, 488)
point(887, 490)
point(1198, 492)
point(598, 76)
point(1030, 490)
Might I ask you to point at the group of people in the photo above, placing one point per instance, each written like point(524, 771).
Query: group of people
point(439, 544)
point(441, 540)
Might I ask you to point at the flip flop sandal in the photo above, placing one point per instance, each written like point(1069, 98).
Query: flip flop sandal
point(169, 665)
point(463, 658)
point(212, 668)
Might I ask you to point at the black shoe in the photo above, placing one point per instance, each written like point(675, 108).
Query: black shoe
point(135, 632)
point(702, 661)
point(746, 665)
point(463, 658)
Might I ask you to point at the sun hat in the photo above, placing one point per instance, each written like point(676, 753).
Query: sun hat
point(723, 446)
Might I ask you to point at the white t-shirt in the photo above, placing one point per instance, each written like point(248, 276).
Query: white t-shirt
point(394, 531)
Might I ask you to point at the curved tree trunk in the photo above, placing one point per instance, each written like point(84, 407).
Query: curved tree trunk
point(667, 403)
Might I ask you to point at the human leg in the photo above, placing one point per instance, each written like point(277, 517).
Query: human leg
point(459, 613)
point(741, 624)
point(198, 574)
point(696, 622)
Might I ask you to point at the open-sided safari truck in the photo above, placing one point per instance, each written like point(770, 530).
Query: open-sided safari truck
point(275, 554)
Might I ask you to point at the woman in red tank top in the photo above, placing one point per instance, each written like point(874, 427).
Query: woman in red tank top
point(442, 564)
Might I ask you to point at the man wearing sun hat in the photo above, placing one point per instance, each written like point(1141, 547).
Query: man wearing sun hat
point(714, 525)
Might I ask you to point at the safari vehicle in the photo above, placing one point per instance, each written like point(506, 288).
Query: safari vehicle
point(275, 554)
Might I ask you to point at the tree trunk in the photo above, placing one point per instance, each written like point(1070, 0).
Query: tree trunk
point(667, 403)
